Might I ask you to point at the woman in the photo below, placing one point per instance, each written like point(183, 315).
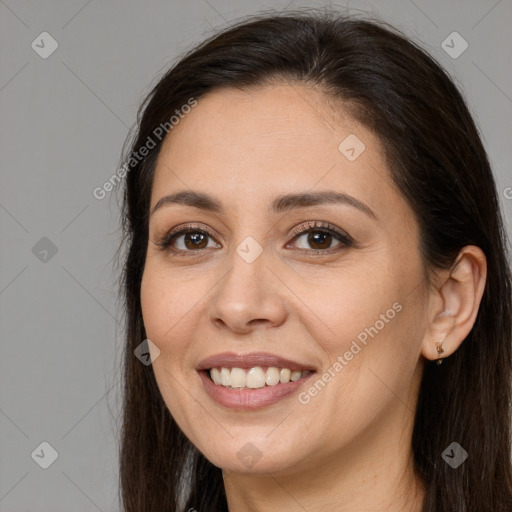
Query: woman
point(312, 226)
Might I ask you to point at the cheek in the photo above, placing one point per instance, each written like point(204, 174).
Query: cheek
point(349, 306)
point(164, 303)
point(154, 304)
point(373, 327)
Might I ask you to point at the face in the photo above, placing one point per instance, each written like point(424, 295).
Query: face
point(329, 286)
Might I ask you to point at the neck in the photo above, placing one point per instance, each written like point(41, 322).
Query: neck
point(384, 488)
point(375, 472)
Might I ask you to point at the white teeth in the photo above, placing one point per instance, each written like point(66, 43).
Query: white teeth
point(238, 378)
point(215, 375)
point(272, 376)
point(225, 377)
point(295, 376)
point(284, 375)
point(255, 377)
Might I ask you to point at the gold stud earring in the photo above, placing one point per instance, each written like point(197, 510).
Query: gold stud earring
point(440, 350)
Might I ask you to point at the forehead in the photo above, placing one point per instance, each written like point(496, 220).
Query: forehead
point(269, 140)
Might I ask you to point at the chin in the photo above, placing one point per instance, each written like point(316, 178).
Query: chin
point(252, 458)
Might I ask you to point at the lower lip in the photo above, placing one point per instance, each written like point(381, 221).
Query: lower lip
point(250, 399)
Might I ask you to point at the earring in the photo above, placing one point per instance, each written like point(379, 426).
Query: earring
point(440, 350)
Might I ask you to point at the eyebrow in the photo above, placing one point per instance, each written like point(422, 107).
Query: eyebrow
point(280, 204)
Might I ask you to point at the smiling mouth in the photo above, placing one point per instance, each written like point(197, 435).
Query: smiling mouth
point(254, 378)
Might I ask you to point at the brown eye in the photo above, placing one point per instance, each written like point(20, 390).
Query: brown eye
point(187, 240)
point(195, 240)
point(320, 238)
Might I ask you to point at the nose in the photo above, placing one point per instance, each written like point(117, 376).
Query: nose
point(247, 296)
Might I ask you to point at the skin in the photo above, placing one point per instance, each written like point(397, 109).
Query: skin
point(348, 449)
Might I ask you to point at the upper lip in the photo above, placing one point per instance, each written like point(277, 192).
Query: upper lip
point(250, 360)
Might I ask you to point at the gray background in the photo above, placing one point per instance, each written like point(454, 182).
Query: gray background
point(64, 120)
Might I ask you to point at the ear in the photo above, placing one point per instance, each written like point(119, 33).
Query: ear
point(454, 303)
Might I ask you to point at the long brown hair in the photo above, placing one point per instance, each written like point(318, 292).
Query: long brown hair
point(436, 159)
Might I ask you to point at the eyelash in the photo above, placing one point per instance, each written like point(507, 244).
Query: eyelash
point(345, 241)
